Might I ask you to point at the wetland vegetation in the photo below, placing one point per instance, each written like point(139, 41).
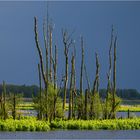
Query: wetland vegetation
point(32, 124)
point(86, 108)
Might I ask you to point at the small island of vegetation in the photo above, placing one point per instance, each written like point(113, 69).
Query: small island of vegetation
point(60, 108)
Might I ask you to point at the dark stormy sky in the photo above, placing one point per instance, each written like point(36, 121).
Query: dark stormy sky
point(92, 20)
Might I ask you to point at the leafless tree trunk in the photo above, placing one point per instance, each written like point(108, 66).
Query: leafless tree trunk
point(55, 79)
point(74, 83)
point(39, 51)
point(50, 35)
point(114, 80)
point(41, 59)
point(55, 68)
point(46, 50)
point(109, 90)
point(67, 41)
point(40, 91)
point(97, 72)
point(74, 87)
point(4, 100)
point(71, 90)
point(95, 85)
point(96, 81)
point(81, 105)
point(82, 67)
point(86, 103)
point(87, 78)
point(110, 63)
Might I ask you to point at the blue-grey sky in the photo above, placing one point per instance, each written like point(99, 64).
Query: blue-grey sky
point(92, 20)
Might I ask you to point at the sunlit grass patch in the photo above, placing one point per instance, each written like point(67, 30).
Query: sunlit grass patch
point(132, 108)
point(116, 124)
point(24, 124)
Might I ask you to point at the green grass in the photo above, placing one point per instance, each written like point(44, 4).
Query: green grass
point(118, 124)
point(25, 124)
point(124, 108)
point(26, 106)
point(32, 124)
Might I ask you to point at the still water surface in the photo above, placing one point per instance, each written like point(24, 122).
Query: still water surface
point(73, 134)
point(119, 114)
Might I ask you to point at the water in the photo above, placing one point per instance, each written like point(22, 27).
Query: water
point(119, 114)
point(29, 112)
point(125, 114)
point(73, 134)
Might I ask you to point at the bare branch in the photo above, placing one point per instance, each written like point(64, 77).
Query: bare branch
point(39, 50)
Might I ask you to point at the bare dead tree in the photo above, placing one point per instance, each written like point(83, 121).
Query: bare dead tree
point(96, 81)
point(67, 41)
point(86, 104)
point(81, 104)
point(71, 90)
point(95, 85)
point(109, 88)
point(46, 42)
point(110, 63)
point(87, 78)
point(82, 67)
point(97, 72)
point(41, 60)
point(4, 101)
point(39, 51)
point(55, 78)
point(55, 68)
point(46, 48)
point(50, 48)
point(114, 79)
point(40, 92)
point(74, 94)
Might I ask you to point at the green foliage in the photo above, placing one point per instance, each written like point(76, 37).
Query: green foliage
point(97, 109)
point(25, 124)
point(47, 103)
point(79, 106)
point(32, 124)
point(52, 97)
point(95, 106)
point(107, 105)
point(3, 103)
point(2, 114)
point(115, 124)
point(14, 100)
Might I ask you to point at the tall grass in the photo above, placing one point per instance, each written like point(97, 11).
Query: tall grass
point(32, 124)
point(25, 124)
point(116, 124)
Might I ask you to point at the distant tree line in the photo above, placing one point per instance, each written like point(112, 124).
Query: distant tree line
point(126, 94)
point(29, 91)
